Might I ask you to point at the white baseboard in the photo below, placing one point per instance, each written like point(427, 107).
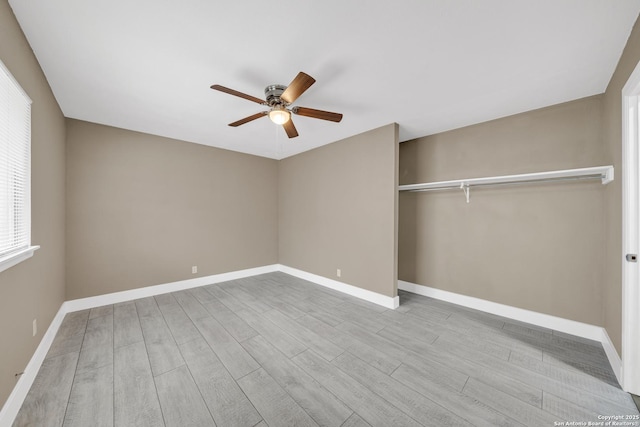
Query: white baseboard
point(16, 398)
point(149, 291)
point(132, 294)
point(584, 330)
point(612, 355)
point(374, 297)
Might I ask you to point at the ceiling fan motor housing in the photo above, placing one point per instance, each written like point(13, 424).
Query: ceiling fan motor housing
point(272, 94)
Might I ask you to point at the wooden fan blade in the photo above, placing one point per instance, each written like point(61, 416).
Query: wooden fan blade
point(297, 87)
point(239, 94)
point(248, 119)
point(317, 114)
point(290, 128)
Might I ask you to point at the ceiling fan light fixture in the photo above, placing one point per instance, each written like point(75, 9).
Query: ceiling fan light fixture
point(279, 100)
point(279, 115)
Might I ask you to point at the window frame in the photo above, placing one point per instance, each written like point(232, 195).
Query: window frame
point(12, 258)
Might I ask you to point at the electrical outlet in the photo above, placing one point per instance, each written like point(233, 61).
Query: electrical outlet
point(35, 327)
point(338, 273)
point(194, 269)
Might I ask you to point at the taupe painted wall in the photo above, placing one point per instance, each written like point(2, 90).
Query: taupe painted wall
point(141, 210)
point(337, 209)
point(33, 289)
point(537, 247)
point(612, 284)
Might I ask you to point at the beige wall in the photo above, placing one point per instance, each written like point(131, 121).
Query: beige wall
point(337, 209)
point(33, 289)
point(612, 284)
point(141, 210)
point(537, 247)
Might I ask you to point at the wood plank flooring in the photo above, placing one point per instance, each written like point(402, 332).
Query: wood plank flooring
point(274, 350)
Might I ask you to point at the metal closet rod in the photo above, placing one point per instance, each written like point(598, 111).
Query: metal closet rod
point(604, 173)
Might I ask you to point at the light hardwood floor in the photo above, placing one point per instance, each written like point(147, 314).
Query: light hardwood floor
point(274, 350)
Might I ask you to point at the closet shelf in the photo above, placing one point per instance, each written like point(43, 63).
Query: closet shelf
point(604, 173)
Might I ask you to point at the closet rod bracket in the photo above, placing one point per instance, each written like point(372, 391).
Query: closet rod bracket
point(466, 189)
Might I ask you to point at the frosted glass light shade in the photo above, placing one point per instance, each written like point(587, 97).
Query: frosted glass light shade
point(279, 116)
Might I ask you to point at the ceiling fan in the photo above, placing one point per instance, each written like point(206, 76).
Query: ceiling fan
point(279, 99)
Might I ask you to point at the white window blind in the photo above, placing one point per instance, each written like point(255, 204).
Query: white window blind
point(15, 166)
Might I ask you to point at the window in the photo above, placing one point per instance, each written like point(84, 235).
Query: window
point(15, 172)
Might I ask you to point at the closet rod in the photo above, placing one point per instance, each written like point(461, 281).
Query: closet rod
point(604, 173)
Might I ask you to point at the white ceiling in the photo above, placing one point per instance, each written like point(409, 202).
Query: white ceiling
point(431, 66)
